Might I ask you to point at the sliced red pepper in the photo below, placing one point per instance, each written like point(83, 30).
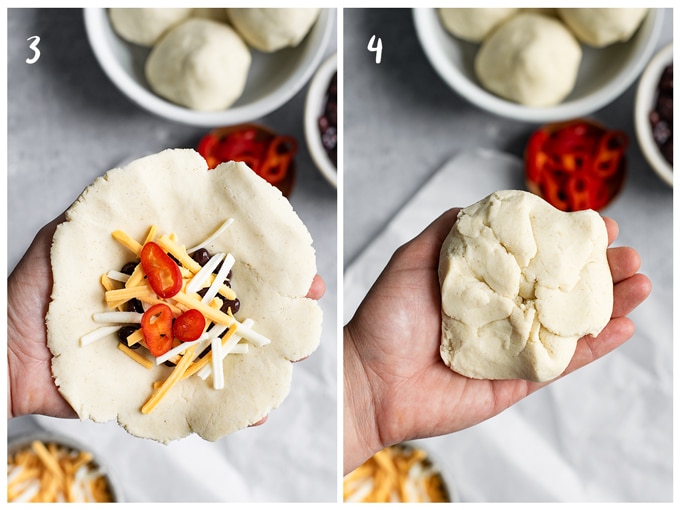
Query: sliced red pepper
point(576, 165)
point(189, 326)
point(206, 148)
point(610, 151)
point(162, 272)
point(157, 329)
point(278, 158)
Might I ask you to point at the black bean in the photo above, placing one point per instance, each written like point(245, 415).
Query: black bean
point(125, 332)
point(129, 267)
point(234, 304)
point(202, 256)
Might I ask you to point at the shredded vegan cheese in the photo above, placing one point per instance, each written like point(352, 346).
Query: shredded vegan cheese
point(221, 334)
point(400, 473)
point(50, 473)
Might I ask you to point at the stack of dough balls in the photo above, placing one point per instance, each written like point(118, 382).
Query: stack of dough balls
point(200, 58)
point(532, 56)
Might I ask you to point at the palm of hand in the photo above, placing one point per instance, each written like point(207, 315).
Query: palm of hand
point(418, 396)
point(29, 289)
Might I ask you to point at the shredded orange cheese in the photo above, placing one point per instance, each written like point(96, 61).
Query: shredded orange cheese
point(136, 356)
point(118, 293)
point(174, 377)
point(50, 473)
point(399, 473)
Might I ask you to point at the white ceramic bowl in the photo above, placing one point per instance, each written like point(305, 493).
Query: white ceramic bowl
point(603, 75)
point(273, 78)
point(314, 106)
point(644, 104)
point(23, 441)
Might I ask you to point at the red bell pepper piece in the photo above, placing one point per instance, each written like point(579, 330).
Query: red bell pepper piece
point(162, 272)
point(157, 329)
point(189, 326)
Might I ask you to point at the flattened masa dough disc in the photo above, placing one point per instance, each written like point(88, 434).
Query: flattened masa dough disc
point(521, 282)
point(275, 265)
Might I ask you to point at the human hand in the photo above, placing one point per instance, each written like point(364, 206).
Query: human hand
point(30, 386)
point(397, 387)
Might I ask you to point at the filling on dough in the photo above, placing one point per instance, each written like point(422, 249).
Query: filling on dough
point(178, 305)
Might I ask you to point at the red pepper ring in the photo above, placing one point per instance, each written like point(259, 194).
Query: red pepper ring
point(162, 273)
point(576, 165)
point(278, 159)
point(189, 326)
point(157, 329)
point(609, 153)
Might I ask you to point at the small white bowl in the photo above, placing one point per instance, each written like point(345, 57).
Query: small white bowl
point(644, 104)
point(273, 78)
point(603, 75)
point(314, 107)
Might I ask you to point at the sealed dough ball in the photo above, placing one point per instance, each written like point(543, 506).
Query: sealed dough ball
point(531, 59)
point(602, 27)
point(145, 26)
point(521, 282)
point(200, 64)
point(473, 24)
point(269, 30)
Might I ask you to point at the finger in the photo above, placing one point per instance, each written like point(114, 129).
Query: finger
point(259, 422)
point(624, 262)
point(629, 293)
point(440, 228)
point(612, 229)
point(317, 289)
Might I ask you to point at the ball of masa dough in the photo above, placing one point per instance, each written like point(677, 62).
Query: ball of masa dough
point(531, 59)
point(145, 26)
point(270, 30)
point(602, 27)
point(473, 24)
point(201, 64)
point(521, 282)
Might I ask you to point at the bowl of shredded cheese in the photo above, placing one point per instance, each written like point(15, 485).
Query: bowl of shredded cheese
point(49, 468)
point(402, 473)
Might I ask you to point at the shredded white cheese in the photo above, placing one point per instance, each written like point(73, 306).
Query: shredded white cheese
point(199, 279)
point(218, 373)
point(118, 317)
point(118, 276)
point(219, 279)
point(214, 236)
point(252, 336)
point(179, 349)
point(98, 334)
point(231, 347)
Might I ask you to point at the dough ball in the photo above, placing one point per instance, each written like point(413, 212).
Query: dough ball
point(521, 282)
point(473, 24)
point(200, 64)
point(269, 30)
point(145, 26)
point(531, 59)
point(602, 27)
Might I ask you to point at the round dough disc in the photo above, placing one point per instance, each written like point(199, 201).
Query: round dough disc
point(274, 268)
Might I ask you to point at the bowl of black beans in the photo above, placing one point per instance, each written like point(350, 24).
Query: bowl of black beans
point(654, 113)
point(321, 119)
